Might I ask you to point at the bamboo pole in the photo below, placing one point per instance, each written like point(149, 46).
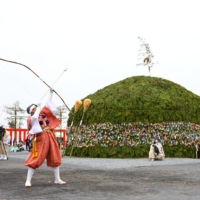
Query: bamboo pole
point(53, 84)
point(86, 105)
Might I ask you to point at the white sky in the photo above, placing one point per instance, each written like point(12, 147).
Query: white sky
point(97, 41)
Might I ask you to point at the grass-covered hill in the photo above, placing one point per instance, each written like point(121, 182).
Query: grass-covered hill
point(141, 99)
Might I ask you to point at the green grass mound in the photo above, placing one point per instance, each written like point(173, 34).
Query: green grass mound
point(141, 98)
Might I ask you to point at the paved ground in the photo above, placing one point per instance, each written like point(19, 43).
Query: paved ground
point(107, 179)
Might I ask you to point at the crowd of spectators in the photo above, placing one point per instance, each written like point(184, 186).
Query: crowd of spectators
point(134, 134)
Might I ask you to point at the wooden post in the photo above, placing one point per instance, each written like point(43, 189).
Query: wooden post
point(197, 149)
point(64, 138)
point(24, 140)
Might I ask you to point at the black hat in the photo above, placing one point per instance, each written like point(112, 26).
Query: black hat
point(30, 108)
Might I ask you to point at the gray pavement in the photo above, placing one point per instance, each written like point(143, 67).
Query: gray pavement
point(92, 178)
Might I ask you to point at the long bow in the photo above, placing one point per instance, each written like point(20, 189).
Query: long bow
point(38, 77)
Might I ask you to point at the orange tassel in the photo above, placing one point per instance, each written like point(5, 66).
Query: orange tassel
point(34, 150)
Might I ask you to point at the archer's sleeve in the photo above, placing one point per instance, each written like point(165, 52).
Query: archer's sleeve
point(35, 126)
point(50, 105)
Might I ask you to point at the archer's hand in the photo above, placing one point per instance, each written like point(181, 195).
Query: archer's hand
point(51, 90)
point(39, 105)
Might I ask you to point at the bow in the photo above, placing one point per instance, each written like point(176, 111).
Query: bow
point(38, 77)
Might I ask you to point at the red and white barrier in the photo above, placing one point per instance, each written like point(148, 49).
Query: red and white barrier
point(21, 134)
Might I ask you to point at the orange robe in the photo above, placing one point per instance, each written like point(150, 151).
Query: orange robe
point(47, 145)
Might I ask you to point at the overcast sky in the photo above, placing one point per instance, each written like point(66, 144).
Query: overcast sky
point(97, 41)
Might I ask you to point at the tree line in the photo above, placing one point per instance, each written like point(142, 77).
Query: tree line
point(17, 115)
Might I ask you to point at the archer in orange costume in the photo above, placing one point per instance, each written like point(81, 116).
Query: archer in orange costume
point(41, 124)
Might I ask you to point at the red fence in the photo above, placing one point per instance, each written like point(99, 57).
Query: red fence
point(21, 134)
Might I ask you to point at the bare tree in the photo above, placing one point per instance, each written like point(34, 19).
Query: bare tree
point(145, 55)
point(14, 120)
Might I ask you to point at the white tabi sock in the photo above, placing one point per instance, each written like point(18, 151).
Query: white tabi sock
point(29, 177)
point(57, 176)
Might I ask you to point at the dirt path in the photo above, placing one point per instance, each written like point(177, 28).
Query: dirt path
point(105, 179)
